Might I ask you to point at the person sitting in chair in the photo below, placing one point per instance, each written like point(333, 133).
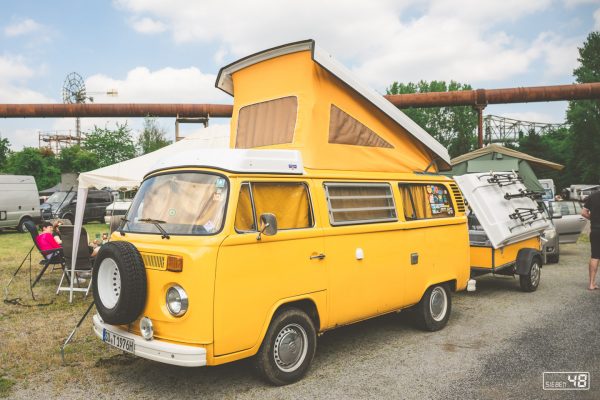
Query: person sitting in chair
point(46, 241)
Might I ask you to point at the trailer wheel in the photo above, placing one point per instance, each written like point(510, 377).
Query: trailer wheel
point(433, 311)
point(530, 281)
point(119, 283)
point(288, 348)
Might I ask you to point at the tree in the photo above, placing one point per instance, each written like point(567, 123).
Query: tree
point(76, 159)
point(4, 151)
point(584, 117)
point(32, 161)
point(453, 127)
point(110, 146)
point(152, 137)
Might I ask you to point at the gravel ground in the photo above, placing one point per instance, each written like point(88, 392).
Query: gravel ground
point(497, 345)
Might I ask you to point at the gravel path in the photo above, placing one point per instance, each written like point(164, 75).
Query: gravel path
point(497, 345)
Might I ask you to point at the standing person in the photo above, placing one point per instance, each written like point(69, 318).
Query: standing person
point(591, 211)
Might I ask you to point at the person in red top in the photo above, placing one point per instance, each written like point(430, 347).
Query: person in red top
point(45, 240)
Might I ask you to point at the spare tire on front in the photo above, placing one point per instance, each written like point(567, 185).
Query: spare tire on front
point(119, 283)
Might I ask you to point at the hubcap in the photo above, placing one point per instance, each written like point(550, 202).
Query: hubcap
point(109, 283)
point(290, 347)
point(535, 274)
point(438, 304)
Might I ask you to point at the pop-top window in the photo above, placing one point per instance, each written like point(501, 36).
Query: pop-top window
point(423, 201)
point(343, 129)
point(267, 123)
point(352, 203)
point(288, 201)
point(185, 203)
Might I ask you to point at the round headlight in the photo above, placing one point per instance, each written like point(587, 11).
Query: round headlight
point(146, 328)
point(177, 301)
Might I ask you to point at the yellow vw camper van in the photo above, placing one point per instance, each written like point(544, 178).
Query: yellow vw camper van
point(326, 210)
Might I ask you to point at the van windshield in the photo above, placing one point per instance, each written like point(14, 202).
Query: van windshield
point(60, 197)
point(184, 203)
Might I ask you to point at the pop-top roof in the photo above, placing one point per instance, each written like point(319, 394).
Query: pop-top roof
point(327, 62)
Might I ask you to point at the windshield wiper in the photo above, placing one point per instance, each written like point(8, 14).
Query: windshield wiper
point(156, 223)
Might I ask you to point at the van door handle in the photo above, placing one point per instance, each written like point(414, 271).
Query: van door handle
point(318, 256)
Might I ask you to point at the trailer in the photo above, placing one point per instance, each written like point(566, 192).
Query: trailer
point(505, 227)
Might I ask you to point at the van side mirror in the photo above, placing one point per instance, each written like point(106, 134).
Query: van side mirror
point(268, 225)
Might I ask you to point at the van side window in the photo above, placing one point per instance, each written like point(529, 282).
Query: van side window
point(289, 202)
point(424, 201)
point(352, 203)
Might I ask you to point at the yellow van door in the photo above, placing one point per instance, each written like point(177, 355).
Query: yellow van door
point(254, 275)
point(363, 245)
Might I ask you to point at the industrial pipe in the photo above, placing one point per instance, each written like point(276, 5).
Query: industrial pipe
point(476, 98)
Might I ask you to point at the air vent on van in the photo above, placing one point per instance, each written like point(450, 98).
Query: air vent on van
point(154, 261)
point(460, 202)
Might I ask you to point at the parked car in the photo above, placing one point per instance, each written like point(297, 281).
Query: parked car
point(19, 201)
point(62, 205)
point(570, 225)
point(551, 246)
point(579, 192)
point(118, 208)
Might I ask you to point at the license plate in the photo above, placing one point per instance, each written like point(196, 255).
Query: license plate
point(118, 341)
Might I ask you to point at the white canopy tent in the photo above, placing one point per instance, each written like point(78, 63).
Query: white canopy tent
point(129, 174)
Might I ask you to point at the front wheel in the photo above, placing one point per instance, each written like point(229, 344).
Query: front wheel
point(22, 227)
point(433, 311)
point(288, 348)
point(530, 282)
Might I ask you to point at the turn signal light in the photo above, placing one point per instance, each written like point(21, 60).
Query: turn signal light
point(174, 263)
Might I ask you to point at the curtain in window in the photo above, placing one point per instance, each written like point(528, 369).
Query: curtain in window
point(267, 123)
point(343, 129)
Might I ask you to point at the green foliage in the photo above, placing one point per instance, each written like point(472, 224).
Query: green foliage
point(4, 151)
point(31, 161)
point(152, 138)
point(77, 159)
point(584, 116)
point(110, 146)
point(453, 127)
point(5, 386)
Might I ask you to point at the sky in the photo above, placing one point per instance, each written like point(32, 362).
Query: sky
point(171, 51)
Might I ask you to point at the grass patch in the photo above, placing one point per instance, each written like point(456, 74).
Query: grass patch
point(5, 386)
point(31, 335)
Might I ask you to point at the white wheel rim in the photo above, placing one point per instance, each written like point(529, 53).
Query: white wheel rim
point(109, 283)
point(290, 348)
point(438, 304)
point(535, 274)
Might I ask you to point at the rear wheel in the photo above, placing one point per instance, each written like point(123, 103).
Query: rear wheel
point(530, 281)
point(288, 348)
point(433, 311)
point(21, 227)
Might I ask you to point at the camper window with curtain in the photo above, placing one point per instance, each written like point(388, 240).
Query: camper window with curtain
point(288, 201)
point(355, 203)
point(267, 123)
point(425, 201)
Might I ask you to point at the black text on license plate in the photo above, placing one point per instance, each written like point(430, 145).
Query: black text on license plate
point(118, 341)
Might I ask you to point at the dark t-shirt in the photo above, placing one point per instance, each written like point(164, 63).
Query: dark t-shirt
point(592, 203)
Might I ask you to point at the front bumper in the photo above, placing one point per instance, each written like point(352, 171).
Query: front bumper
point(156, 350)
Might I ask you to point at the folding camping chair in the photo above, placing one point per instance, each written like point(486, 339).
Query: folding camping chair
point(84, 261)
point(49, 257)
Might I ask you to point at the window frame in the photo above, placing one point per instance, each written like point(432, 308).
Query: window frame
point(412, 201)
point(330, 210)
point(311, 216)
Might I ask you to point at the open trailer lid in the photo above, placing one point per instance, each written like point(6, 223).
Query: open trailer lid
point(503, 205)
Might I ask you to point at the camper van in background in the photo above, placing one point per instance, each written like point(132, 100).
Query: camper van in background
point(549, 189)
point(19, 201)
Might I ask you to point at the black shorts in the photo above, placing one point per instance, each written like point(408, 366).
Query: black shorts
point(595, 242)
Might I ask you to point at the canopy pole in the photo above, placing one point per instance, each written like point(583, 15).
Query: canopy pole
point(82, 193)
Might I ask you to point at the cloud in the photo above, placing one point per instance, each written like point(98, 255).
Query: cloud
point(167, 85)
point(148, 25)
point(381, 41)
point(22, 27)
point(14, 74)
point(597, 20)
